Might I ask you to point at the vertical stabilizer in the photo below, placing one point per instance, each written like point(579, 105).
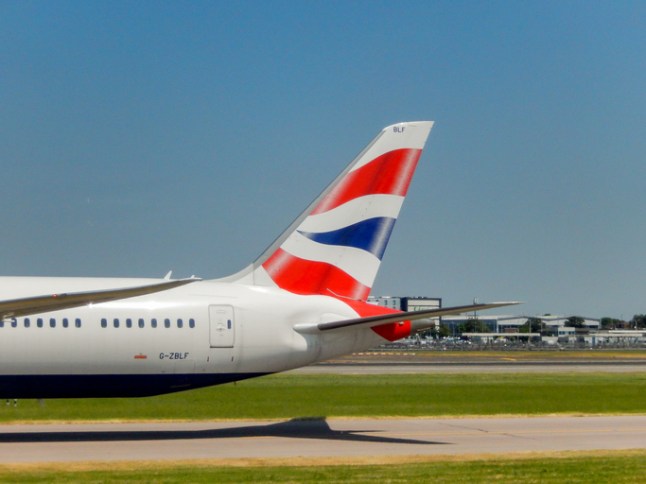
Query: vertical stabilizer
point(336, 245)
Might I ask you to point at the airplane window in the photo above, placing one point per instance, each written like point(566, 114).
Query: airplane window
point(66, 322)
point(191, 323)
point(1, 323)
point(153, 323)
point(180, 323)
point(14, 323)
point(141, 322)
point(52, 323)
point(104, 323)
point(77, 321)
point(39, 322)
point(115, 321)
point(166, 323)
point(27, 322)
point(129, 323)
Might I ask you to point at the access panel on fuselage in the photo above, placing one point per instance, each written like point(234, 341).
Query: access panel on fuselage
point(221, 326)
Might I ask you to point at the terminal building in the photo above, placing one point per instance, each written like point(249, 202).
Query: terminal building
point(406, 303)
point(486, 328)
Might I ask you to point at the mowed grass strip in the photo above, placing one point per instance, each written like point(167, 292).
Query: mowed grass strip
point(615, 467)
point(294, 395)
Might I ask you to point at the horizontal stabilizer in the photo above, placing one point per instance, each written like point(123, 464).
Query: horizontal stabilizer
point(372, 321)
point(54, 302)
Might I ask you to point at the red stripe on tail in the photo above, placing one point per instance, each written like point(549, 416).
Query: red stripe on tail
point(302, 276)
point(388, 174)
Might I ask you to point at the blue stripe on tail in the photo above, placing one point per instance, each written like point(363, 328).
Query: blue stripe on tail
point(370, 235)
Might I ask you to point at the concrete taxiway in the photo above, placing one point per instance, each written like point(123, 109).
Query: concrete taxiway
point(345, 439)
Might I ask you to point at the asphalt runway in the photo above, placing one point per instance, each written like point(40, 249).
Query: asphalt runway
point(343, 439)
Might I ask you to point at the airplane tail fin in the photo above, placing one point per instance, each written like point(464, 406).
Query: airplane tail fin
point(336, 245)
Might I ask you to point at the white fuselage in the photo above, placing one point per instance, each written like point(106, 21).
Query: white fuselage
point(204, 333)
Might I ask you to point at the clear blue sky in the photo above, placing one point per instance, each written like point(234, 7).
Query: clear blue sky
point(138, 137)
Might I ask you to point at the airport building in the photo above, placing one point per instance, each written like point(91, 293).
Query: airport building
point(406, 303)
point(486, 328)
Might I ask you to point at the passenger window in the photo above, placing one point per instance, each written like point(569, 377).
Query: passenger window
point(77, 321)
point(66, 322)
point(115, 322)
point(52, 323)
point(104, 323)
point(191, 323)
point(166, 323)
point(14, 323)
point(153, 323)
point(141, 322)
point(27, 322)
point(180, 323)
point(128, 323)
point(39, 322)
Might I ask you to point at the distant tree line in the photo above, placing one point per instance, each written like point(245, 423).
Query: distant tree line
point(637, 322)
point(575, 322)
point(535, 325)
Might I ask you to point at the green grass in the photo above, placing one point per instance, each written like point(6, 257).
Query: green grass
point(616, 467)
point(293, 395)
